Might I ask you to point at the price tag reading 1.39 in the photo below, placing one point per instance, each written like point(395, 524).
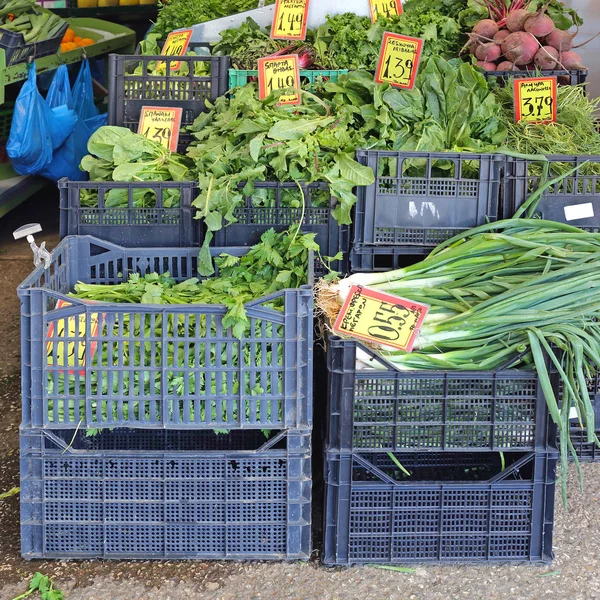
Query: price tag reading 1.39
point(385, 8)
point(279, 73)
point(176, 45)
point(161, 125)
point(289, 20)
point(535, 100)
point(399, 60)
point(381, 318)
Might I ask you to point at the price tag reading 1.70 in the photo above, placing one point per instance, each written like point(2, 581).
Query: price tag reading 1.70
point(279, 73)
point(289, 20)
point(176, 45)
point(381, 318)
point(161, 125)
point(535, 100)
point(399, 60)
point(385, 8)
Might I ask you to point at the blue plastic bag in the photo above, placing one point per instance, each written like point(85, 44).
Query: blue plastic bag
point(36, 130)
point(66, 159)
point(59, 91)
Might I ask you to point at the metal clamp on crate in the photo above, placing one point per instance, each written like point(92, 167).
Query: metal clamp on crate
point(40, 254)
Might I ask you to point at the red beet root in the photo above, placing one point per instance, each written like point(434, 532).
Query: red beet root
point(485, 30)
point(539, 25)
point(501, 35)
point(506, 65)
point(572, 61)
point(515, 21)
point(520, 48)
point(546, 58)
point(489, 52)
point(561, 40)
point(486, 66)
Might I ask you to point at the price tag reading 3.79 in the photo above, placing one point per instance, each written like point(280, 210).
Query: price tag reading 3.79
point(290, 20)
point(381, 318)
point(535, 100)
point(385, 8)
point(399, 60)
point(279, 73)
point(161, 125)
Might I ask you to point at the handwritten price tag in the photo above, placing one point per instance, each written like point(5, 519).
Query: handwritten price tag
point(385, 8)
point(535, 100)
point(399, 60)
point(176, 45)
point(280, 73)
point(161, 125)
point(381, 318)
point(69, 336)
point(289, 21)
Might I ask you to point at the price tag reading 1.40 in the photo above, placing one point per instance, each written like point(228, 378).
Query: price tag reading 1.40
point(289, 20)
point(279, 73)
point(399, 60)
point(161, 125)
point(176, 45)
point(535, 100)
point(385, 8)
point(381, 318)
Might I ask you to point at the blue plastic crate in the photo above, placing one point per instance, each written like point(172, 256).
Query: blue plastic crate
point(166, 495)
point(167, 221)
point(453, 508)
point(382, 408)
point(193, 373)
point(587, 451)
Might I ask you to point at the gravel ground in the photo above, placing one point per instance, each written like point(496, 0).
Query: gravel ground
point(574, 575)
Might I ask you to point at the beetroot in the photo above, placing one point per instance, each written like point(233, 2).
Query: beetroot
point(515, 21)
point(539, 25)
point(520, 48)
point(561, 40)
point(506, 65)
point(546, 58)
point(485, 30)
point(501, 35)
point(489, 52)
point(572, 61)
point(486, 66)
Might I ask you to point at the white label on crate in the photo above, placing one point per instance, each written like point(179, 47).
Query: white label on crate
point(573, 413)
point(579, 211)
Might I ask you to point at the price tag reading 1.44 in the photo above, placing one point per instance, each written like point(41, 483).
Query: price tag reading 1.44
point(161, 125)
point(385, 8)
point(381, 318)
point(399, 60)
point(176, 45)
point(535, 100)
point(289, 20)
point(279, 73)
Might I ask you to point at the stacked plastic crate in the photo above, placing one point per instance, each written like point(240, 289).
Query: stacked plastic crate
point(432, 465)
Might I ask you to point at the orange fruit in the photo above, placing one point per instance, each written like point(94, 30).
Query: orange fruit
point(68, 46)
point(86, 42)
point(69, 35)
point(77, 40)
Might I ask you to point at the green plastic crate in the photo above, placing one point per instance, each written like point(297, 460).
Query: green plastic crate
point(239, 78)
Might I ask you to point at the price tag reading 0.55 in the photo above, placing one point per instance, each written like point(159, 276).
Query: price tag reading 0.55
point(289, 20)
point(385, 8)
point(161, 125)
point(535, 100)
point(176, 45)
point(381, 318)
point(280, 73)
point(399, 60)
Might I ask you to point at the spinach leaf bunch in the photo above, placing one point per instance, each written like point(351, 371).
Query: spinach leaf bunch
point(118, 154)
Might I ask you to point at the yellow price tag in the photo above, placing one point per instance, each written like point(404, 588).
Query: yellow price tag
point(399, 60)
point(161, 125)
point(290, 20)
point(381, 318)
point(385, 8)
point(535, 99)
point(69, 336)
point(176, 45)
point(279, 73)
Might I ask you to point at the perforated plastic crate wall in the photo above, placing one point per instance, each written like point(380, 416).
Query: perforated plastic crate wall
point(240, 77)
point(195, 375)
point(438, 515)
point(132, 226)
point(574, 200)
point(155, 494)
point(572, 77)
point(420, 199)
point(374, 259)
point(371, 410)
point(128, 92)
point(313, 208)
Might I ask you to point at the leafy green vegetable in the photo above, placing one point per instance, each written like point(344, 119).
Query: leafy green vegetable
point(44, 585)
point(118, 154)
